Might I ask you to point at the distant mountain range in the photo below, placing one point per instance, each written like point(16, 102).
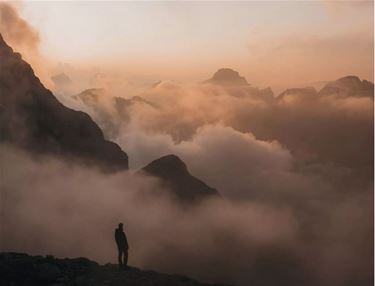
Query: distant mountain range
point(237, 85)
point(342, 87)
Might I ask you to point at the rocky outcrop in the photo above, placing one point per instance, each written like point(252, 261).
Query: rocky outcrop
point(175, 176)
point(22, 269)
point(32, 118)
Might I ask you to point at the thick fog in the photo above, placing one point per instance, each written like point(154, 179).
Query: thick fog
point(52, 207)
point(237, 140)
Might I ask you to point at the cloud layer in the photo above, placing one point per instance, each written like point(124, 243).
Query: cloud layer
point(235, 242)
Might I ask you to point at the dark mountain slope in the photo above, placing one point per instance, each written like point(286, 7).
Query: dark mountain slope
point(175, 176)
point(32, 118)
point(24, 270)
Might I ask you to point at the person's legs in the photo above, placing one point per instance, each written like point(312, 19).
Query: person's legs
point(120, 254)
point(125, 257)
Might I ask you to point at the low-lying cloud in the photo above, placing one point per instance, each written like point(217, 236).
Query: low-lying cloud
point(246, 145)
point(68, 210)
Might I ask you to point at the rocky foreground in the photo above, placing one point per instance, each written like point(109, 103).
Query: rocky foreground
point(22, 269)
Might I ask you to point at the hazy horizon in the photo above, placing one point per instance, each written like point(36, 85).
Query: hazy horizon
point(279, 44)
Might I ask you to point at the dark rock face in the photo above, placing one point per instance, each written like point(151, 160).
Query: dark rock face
point(226, 76)
point(348, 86)
point(18, 269)
point(175, 176)
point(32, 118)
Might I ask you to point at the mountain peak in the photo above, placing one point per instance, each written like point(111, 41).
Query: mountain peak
point(166, 166)
point(227, 76)
point(349, 80)
point(348, 86)
point(176, 177)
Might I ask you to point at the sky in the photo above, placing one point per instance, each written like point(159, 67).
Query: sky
point(270, 43)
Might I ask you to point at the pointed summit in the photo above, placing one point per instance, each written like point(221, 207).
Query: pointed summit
point(166, 166)
point(176, 177)
point(227, 76)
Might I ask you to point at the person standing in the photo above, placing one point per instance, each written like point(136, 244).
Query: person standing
point(122, 246)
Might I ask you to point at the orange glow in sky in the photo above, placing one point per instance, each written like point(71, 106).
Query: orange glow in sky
point(270, 43)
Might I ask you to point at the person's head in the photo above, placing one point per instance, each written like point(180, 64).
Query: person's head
point(120, 226)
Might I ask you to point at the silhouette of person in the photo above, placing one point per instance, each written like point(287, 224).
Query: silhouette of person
point(122, 246)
